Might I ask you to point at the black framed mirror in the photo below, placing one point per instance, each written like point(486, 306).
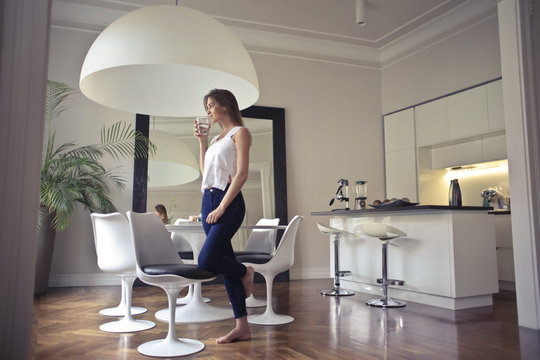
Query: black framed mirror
point(276, 115)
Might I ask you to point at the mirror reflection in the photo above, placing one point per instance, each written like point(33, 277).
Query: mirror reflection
point(174, 178)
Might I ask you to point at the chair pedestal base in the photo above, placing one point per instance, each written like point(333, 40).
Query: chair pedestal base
point(270, 318)
point(120, 310)
point(127, 326)
point(385, 302)
point(171, 347)
point(336, 292)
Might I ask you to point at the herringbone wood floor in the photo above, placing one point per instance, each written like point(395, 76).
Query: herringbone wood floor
point(66, 324)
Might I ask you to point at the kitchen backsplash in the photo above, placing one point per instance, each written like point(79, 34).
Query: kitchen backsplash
point(433, 185)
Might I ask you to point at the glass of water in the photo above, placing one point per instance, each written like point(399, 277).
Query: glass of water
point(203, 122)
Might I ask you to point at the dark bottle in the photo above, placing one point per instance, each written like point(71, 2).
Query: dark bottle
point(454, 193)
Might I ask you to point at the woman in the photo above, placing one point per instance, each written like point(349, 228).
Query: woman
point(224, 165)
point(161, 211)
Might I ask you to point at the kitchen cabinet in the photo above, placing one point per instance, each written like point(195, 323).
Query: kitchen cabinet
point(494, 148)
point(400, 155)
point(467, 113)
point(431, 122)
point(455, 155)
point(460, 129)
point(495, 105)
point(505, 254)
point(470, 152)
point(399, 130)
point(448, 258)
point(401, 174)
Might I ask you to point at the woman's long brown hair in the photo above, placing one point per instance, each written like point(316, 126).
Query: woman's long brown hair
point(226, 99)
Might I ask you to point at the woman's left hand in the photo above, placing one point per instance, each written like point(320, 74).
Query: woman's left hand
point(214, 216)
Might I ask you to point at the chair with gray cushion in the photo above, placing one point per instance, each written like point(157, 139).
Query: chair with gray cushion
point(270, 266)
point(260, 242)
point(115, 255)
point(158, 264)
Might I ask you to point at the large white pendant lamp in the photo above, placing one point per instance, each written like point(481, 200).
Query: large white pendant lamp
point(173, 163)
point(162, 60)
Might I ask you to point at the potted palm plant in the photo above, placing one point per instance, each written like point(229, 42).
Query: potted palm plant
point(73, 175)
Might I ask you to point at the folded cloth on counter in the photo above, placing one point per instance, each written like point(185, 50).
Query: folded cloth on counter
point(395, 203)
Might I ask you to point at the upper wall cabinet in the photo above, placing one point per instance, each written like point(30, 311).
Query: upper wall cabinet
point(464, 128)
point(431, 122)
point(495, 105)
point(467, 113)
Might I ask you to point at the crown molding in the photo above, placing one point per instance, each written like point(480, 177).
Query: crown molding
point(280, 44)
point(463, 17)
point(95, 15)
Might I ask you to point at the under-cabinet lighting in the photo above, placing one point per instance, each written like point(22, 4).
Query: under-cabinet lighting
point(483, 169)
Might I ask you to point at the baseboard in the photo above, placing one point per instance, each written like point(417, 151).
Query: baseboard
point(309, 274)
point(507, 285)
point(104, 279)
point(72, 280)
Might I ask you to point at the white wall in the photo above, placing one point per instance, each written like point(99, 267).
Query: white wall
point(467, 58)
point(333, 131)
point(74, 255)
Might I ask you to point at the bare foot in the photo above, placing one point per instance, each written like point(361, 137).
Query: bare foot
point(241, 332)
point(234, 335)
point(247, 281)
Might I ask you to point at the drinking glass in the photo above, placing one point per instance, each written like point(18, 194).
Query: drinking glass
point(203, 123)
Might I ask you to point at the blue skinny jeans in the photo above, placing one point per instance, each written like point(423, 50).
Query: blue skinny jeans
point(217, 254)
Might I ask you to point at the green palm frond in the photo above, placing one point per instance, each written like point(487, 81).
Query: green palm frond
point(57, 93)
point(122, 140)
point(73, 174)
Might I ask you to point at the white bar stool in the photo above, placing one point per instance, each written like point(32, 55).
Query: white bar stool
point(385, 233)
point(336, 235)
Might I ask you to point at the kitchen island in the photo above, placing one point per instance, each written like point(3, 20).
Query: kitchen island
point(448, 258)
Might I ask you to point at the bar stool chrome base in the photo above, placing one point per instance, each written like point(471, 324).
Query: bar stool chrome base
point(335, 234)
point(385, 302)
point(385, 233)
point(337, 292)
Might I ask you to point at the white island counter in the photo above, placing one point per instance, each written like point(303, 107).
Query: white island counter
point(448, 258)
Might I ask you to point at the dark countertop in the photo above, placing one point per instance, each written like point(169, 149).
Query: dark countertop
point(400, 208)
point(500, 212)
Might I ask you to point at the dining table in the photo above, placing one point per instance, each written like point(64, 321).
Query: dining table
point(197, 310)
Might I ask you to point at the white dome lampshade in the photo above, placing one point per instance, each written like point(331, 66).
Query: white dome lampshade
point(162, 60)
point(173, 163)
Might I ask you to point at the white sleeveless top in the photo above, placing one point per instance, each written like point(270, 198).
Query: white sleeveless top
point(220, 161)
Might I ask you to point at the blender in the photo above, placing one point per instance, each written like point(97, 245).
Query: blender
point(361, 195)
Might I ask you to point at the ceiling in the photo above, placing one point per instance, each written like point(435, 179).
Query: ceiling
point(386, 20)
point(316, 29)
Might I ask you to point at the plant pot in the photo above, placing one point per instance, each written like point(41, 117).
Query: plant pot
point(44, 253)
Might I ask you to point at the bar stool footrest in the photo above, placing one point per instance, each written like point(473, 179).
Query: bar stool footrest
point(343, 273)
point(391, 282)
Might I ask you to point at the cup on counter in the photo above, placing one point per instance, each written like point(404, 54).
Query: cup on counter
point(203, 122)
